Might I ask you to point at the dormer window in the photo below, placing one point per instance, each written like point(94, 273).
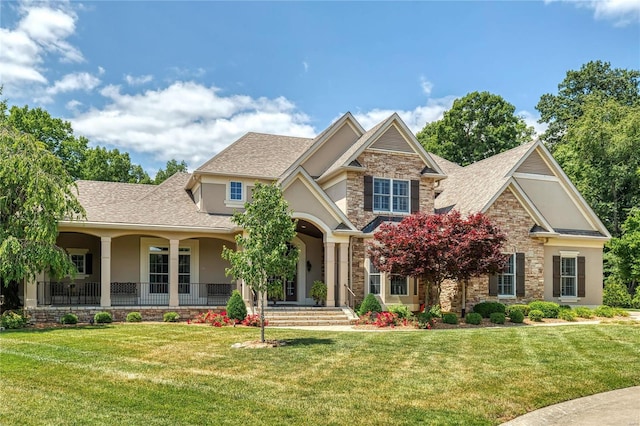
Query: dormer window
point(235, 191)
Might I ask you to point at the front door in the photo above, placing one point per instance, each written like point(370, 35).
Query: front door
point(291, 290)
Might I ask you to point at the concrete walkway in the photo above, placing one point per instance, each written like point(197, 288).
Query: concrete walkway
point(618, 407)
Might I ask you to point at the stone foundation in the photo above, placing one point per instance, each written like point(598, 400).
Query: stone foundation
point(85, 314)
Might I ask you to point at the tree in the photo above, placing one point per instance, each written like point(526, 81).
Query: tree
point(265, 259)
point(35, 193)
point(437, 247)
point(624, 254)
point(477, 126)
point(171, 169)
point(600, 156)
point(112, 166)
point(593, 78)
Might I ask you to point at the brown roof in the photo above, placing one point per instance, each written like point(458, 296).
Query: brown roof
point(447, 166)
point(167, 204)
point(469, 189)
point(258, 155)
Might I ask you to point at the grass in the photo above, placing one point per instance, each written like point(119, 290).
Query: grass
point(171, 374)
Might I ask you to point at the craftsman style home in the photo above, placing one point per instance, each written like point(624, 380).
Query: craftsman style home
point(160, 246)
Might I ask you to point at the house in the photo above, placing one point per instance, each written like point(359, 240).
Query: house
point(159, 247)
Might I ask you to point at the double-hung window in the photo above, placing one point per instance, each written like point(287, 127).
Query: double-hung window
point(184, 270)
point(568, 276)
point(507, 279)
point(235, 191)
point(158, 269)
point(374, 279)
point(398, 285)
point(391, 195)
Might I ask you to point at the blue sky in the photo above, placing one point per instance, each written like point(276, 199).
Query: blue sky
point(182, 80)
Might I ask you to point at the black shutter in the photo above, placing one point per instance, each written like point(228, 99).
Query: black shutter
point(581, 277)
point(493, 285)
point(520, 274)
point(415, 196)
point(368, 193)
point(556, 276)
point(88, 264)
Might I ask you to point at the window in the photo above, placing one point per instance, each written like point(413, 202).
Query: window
point(398, 285)
point(79, 261)
point(568, 278)
point(374, 279)
point(158, 269)
point(184, 270)
point(391, 195)
point(507, 279)
point(235, 191)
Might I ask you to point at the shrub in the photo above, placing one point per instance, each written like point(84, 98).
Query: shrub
point(383, 319)
point(536, 315)
point(170, 317)
point(549, 309)
point(319, 292)
point(215, 319)
point(134, 317)
point(253, 321)
point(449, 318)
point(522, 308)
point(236, 309)
point(69, 318)
point(619, 312)
point(565, 307)
point(402, 311)
point(497, 317)
point(473, 318)
point(435, 311)
point(516, 316)
point(103, 318)
point(425, 320)
point(13, 319)
point(583, 312)
point(370, 304)
point(487, 308)
point(567, 315)
point(604, 311)
point(635, 302)
point(615, 294)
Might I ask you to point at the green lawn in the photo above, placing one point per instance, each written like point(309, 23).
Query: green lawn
point(185, 374)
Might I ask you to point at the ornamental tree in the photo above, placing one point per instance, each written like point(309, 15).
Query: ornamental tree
point(265, 258)
point(624, 253)
point(437, 247)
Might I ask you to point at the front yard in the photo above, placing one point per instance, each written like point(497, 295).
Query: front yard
point(180, 374)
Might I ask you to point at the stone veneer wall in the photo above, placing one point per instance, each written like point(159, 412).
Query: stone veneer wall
point(386, 165)
point(149, 313)
point(508, 214)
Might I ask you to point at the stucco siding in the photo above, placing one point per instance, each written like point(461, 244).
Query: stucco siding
point(212, 265)
point(327, 154)
point(125, 259)
point(301, 200)
point(593, 274)
point(213, 198)
point(338, 194)
point(72, 240)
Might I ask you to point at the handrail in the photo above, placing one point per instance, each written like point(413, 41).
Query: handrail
point(352, 297)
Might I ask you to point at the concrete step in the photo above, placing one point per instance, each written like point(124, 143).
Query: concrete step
point(307, 322)
point(306, 315)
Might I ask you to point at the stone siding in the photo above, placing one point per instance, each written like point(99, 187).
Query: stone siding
point(357, 268)
point(508, 214)
point(119, 314)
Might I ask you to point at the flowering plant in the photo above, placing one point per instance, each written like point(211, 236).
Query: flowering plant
point(385, 319)
point(253, 321)
point(215, 319)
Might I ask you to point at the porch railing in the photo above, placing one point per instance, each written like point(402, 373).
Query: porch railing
point(68, 294)
point(205, 294)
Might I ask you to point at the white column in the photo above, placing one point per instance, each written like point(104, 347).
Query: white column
point(174, 253)
point(330, 272)
point(31, 292)
point(105, 272)
point(344, 274)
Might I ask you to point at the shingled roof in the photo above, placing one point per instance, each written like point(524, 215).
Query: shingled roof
point(257, 155)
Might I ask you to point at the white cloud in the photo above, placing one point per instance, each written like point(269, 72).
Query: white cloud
point(74, 81)
point(305, 64)
point(73, 105)
point(133, 81)
point(101, 71)
point(415, 118)
point(186, 121)
point(621, 12)
point(532, 120)
point(41, 31)
point(426, 85)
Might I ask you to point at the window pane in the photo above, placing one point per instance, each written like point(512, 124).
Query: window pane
point(401, 204)
point(398, 285)
point(400, 188)
point(235, 191)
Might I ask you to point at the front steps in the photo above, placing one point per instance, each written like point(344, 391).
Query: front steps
point(287, 316)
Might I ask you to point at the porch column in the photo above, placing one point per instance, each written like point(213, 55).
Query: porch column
point(105, 272)
point(330, 272)
point(31, 292)
point(174, 252)
point(343, 269)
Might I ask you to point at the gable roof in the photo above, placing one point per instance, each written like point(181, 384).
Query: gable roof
point(258, 155)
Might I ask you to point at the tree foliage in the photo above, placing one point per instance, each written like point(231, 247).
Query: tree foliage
point(593, 78)
point(113, 166)
point(438, 247)
point(600, 156)
point(265, 258)
point(477, 126)
point(35, 193)
point(170, 169)
point(624, 254)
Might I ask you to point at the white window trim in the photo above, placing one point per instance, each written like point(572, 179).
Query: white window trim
point(236, 203)
point(569, 255)
point(146, 243)
point(369, 274)
point(515, 275)
point(391, 195)
point(83, 253)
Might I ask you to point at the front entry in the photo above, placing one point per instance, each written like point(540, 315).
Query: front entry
point(291, 290)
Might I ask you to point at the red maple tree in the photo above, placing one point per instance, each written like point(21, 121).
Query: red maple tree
point(437, 247)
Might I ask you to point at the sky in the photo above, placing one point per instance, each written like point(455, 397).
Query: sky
point(183, 80)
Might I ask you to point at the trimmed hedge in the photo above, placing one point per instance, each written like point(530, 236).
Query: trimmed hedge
point(616, 295)
point(536, 315)
point(604, 311)
point(522, 308)
point(236, 308)
point(103, 318)
point(497, 318)
point(370, 304)
point(567, 315)
point(549, 309)
point(69, 318)
point(516, 316)
point(134, 317)
point(473, 318)
point(487, 308)
point(170, 317)
point(449, 318)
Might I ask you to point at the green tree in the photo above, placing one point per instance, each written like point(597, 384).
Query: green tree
point(600, 156)
point(624, 254)
point(265, 259)
point(477, 126)
point(595, 77)
point(112, 166)
point(171, 169)
point(35, 193)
